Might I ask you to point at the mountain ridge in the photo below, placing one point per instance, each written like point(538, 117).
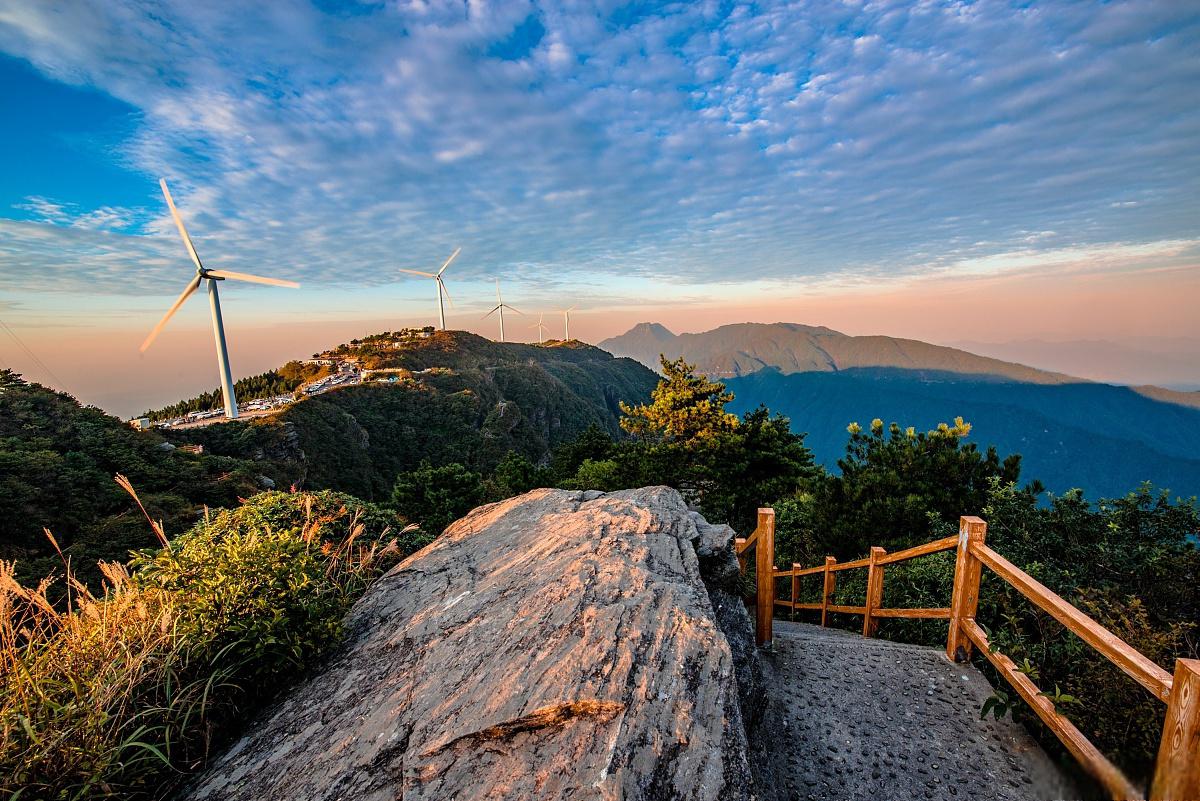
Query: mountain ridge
point(740, 349)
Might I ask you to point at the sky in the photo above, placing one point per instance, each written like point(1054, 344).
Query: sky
point(988, 173)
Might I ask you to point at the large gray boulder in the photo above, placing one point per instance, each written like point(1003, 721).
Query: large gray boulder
point(555, 645)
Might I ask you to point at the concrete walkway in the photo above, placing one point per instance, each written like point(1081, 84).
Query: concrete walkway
point(856, 718)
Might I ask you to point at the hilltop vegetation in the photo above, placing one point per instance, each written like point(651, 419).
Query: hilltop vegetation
point(126, 694)
point(286, 379)
point(458, 398)
point(57, 462)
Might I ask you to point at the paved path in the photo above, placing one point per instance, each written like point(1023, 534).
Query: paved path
point(857, 718)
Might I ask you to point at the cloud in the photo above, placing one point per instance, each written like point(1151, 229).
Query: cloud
point(689, 143)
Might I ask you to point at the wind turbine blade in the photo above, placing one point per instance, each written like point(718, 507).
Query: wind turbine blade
point(447, 264)
point(513, 308)
point(187, 293)
point(498, 298)
point(442, 284)
point(187, 240)
point(489, 314)
point(573, 308)
point(418, 272)
point(253, 279)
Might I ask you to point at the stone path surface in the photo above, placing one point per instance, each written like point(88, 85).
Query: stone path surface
point(857, 718)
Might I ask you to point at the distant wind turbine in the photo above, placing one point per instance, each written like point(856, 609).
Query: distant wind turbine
point(542, 329)
point(500, 307)
point(566, 313)
point(441, 287)
point(214, 302)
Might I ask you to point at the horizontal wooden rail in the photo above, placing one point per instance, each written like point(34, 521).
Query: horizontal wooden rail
point(849, 565)
point(942, 613)
point(1120, 653)
point(944, 544)
point(1098, 765)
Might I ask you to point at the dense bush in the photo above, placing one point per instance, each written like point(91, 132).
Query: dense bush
point(129, 690)
point(434, 497)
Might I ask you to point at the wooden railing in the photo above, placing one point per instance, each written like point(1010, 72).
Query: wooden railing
point(1177, 769)
point(762, 540)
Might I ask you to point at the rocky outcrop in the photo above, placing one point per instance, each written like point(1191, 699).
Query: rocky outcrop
point(555, 645)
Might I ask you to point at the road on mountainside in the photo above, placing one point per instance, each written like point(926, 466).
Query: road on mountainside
point(857, 718)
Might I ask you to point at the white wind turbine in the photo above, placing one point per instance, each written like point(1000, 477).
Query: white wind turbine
point(566, 313)
point(441, 287)
point(542, 329)
point(214, 302)
point(500, 307)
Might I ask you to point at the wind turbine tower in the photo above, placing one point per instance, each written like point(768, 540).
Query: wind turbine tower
point(441, 287)
point(214, 303)
point(566, 313)
point(541, 327)
point(500, 307)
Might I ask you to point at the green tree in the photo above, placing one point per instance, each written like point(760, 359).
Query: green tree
point(515, 475)
point(684, 407)
point(729, 467)
point(893, 479)
point(434, 497)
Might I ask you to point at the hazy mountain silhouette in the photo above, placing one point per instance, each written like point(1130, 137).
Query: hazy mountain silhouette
point(1072, 433)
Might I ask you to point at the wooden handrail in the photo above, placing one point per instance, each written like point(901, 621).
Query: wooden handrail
point(1104, 771)
point(1120, 653)
point(1177, 771)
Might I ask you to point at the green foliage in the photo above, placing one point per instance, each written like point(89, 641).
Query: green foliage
point(124, 695)
point(57, 461)
point(604, 475)
point(515, 475)
point(283, 381)
point(684, 438)
point(684, 408)
point(434, 497)
point(262, 588)
point(892, 482)
point(1130, 563)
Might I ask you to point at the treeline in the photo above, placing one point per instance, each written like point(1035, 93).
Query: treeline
point(265, 385)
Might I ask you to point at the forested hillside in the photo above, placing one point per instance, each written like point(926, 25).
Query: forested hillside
point(460, 398)
point(1103, 439)
point(57, 463)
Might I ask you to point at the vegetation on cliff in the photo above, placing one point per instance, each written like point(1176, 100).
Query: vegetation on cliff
point(131, 687)
point(282, 381)
point(57, 462)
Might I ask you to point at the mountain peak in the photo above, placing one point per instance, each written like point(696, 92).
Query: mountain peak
point(656, 331)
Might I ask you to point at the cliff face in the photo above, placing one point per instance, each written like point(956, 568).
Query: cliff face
point(555, 645)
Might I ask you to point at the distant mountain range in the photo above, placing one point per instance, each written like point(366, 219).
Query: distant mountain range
point(1103, 438)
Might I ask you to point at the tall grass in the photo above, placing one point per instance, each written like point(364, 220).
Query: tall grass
point(122, 692)
point(96, 701)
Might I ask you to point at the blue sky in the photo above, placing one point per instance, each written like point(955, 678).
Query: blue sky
point(622, 154)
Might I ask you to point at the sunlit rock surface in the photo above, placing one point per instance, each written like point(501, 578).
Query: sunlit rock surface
point(556, 645)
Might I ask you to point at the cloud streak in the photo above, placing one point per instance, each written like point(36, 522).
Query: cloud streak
point(691, 143)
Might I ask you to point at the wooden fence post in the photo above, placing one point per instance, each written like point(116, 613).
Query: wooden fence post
point(828, 588)
point(1177, 771)
point(874, 592)
point(764, 556)
point(795, 589)
point(965, 598)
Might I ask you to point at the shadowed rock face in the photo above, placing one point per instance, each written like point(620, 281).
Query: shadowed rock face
point(555, 645)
